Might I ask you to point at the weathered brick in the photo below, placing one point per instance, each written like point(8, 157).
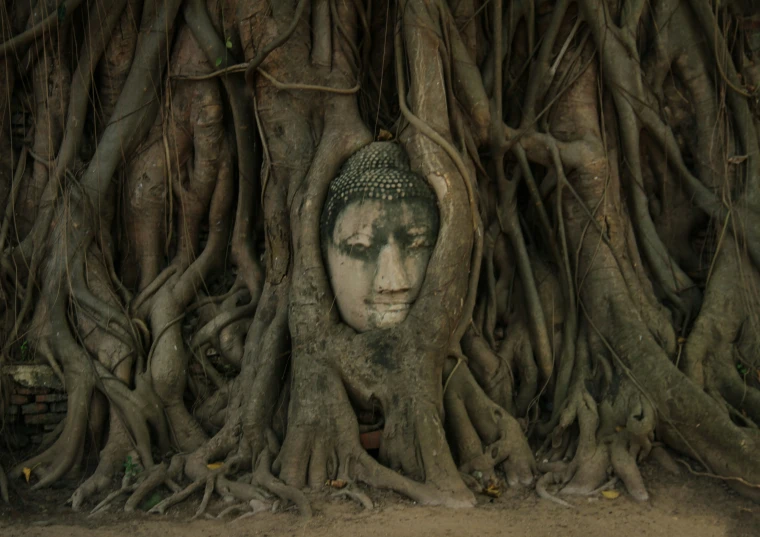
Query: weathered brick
point(50, 426)
point(59, 407)
point(17, 399)
point(51, 397)
point(34, 408)
point(23, 390)
point(42, 419)
point(12, 410)
point(36, 439)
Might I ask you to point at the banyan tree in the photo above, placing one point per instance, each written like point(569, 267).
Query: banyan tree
point(433, 246)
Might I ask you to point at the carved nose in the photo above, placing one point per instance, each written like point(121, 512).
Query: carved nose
point(391, 275)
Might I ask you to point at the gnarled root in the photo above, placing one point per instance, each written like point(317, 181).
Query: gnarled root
point(322, 444)
point(484, 434)
point(612, 437)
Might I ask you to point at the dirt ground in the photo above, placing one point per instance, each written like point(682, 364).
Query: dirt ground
point(679, 506)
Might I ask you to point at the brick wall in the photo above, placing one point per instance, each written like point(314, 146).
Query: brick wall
point(34, 411)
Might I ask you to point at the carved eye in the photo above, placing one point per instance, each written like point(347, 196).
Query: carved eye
point(359, 249)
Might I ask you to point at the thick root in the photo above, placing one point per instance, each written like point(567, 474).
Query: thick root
point(111, 462)
point(486, 435)
point(604, 445)
point(323, 444)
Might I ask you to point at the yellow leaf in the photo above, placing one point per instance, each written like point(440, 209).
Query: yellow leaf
point(336, 483)
point(214, 465)
point(610, 494)
point(384, 136)
point(27, 473)
point(493, 491)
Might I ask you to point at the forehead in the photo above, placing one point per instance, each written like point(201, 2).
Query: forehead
point(373, 216)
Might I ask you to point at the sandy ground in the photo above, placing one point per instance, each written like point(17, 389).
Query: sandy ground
point(679, 506)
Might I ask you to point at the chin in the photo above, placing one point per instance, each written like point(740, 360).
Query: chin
point(383, 318)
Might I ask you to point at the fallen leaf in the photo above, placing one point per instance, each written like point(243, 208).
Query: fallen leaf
point(214, 465)
point(336, 483)
point(384, 136)
point(27, 473)
point(610, 494)
point(492, 490)
point(737, 159)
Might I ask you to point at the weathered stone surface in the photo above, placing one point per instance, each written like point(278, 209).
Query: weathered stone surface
point(33, 376)
point(59, 407)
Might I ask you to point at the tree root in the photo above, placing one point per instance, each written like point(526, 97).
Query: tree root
point(485, 433)
point(543, 493)
point(177, 497)
point(263, 477)
point(156, 475)
point(256, 506)
point(356, 495)
point(4, 486)
point(126, 488)
point(206, 498)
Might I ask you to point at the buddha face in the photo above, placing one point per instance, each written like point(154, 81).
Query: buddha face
point(377, 256)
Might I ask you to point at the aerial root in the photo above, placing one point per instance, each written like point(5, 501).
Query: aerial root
point(544, 481)
point(664, 459)
point(177, 497)
point(605, 486)
point(95, 483)
point(494, 437)
point(263, 477)
point(227, 510)
point(126, 488)
point(624, 464)
point(355, 495)
point(156, 475)
point(206, 498)
point(257, 506)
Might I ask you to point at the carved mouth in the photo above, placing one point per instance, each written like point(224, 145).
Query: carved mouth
point(391, 307)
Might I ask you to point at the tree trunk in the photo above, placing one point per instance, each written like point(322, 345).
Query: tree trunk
point(591, 298)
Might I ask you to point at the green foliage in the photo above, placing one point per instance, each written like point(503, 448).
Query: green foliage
point(130, 468)
point(152, 501)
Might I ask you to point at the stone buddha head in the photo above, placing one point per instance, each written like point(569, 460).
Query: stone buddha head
point(378, 229)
